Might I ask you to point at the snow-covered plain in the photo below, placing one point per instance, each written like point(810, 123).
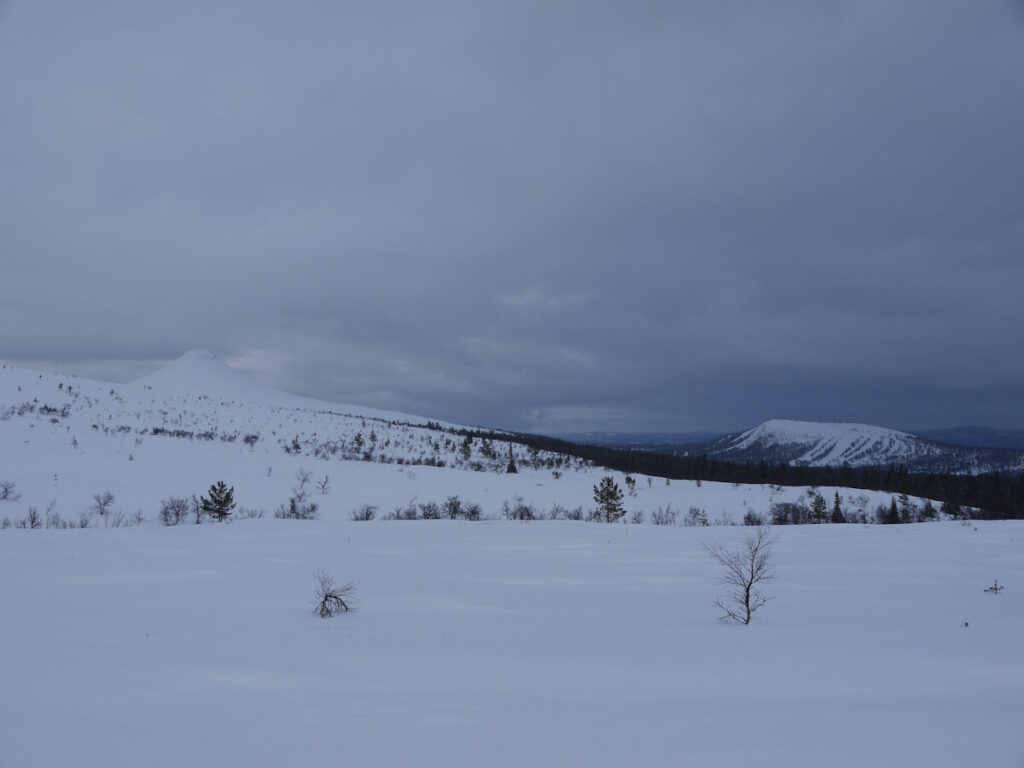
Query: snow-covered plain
point(474, 643)
point(508, 644)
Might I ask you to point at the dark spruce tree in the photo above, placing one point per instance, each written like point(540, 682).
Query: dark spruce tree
point(837, 510)
point(220, 502)
point(511, 468)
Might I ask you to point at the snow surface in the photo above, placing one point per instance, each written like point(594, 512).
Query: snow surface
point(508, 644)
point(488, 643)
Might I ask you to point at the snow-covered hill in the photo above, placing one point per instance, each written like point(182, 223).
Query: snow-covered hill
point(196, 421)
point(834, 444)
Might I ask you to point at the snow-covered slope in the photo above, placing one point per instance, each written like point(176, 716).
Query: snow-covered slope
point(834, 444)
point(199, 373)
point(64, 439)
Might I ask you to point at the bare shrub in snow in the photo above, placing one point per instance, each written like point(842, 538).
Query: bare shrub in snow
point(196, 509)
point(743, 571)
point(452, 508)
point(664, 515)
point(364, 513)
point(249, 513)
point(6, 523)
point(101, 502)
point(330, 598)
point(637, 516)
point(696, 517)
point(430, 511)
point(789, 513)
point(8, 492)
point(576, 513)
point(324, 485)
point(297, 508)
point(408, 512)
point(33, 519)
point(519, 510)
point(753, 518)
point(471, 511)
point(173, 510)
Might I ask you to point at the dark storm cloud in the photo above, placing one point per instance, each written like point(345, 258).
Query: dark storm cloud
point(545, 215)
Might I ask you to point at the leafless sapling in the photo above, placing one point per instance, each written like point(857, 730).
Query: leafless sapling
point(101, 502)
point(744, 570)
point(330, 598)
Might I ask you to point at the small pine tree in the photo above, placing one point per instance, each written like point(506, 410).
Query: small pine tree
point(818, 507)
point(511, 468)
point(220, 502)
point(608, 497)
point(837, 510)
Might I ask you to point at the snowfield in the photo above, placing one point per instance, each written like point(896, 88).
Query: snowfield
point(508, 644)
point(490, 643)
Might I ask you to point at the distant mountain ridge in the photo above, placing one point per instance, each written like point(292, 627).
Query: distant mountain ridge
point(824, 444)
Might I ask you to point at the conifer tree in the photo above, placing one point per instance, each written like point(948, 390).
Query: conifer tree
point(220, 502)
point(608, 497)
point(837, 511)
point(511, 469)
point(818, 508)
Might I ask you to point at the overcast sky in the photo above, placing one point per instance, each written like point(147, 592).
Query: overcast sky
point(551, 216)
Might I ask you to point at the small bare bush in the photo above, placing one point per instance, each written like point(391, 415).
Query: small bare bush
point(743, 571)
point(408, 512)
point(576, 513)
point(696, 517)
point(330, 598)
point(8, 492)
point(249, 513)
point(430, 511)
point(364, 513)
point(174, 510)
point(298, 508)
point(664, 515)
point(519, 510)
point(101, 503)
point(452, 508)
point(636, 516)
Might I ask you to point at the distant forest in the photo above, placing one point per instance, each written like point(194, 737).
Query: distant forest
point(993, 496)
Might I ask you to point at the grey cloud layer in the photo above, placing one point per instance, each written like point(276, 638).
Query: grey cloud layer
point(571, 215)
